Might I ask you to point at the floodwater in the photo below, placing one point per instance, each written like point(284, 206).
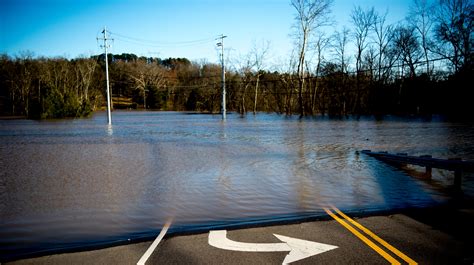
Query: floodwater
point(67, 184)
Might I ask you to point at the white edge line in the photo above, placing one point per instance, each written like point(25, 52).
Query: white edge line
point(155, 243)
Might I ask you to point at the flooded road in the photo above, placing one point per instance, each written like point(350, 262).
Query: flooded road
point(73, 183)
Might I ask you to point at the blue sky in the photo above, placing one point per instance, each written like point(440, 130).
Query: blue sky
point(159, 28)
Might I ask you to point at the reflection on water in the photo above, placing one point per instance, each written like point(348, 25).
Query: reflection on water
point(71, 183)
point(110, 130)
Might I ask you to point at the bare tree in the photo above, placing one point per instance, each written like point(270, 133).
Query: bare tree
point(244, 69)
point(258, 55)
point(310, 15)
point(146, 76)
point(454, 26)
point(24, 80)
point(420, 19)
point(383, 36)
point(363, 21)
point(370, 58)
point(407, 46)
point(320, 45)
point(341, 40)
point(287, 82)
point(85, 69)
point(339, 46)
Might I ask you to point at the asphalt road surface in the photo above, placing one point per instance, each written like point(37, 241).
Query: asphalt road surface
point(429, 236)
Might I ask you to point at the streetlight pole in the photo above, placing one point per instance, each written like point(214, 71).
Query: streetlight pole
point(109, 115)
point(223, 104)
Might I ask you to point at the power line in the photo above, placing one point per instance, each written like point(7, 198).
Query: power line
point(154, 43)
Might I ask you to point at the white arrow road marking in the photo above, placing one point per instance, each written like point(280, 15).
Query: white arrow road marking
point(299, 249)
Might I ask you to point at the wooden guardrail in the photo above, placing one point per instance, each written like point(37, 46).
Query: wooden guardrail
point(457, 165)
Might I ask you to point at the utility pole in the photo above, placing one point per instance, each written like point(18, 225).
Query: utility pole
point(109, 115)
point(221, 44)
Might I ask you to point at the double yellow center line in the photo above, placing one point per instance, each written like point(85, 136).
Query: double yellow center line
point(366, 240)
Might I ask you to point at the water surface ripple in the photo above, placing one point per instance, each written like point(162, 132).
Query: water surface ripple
point(73, 183)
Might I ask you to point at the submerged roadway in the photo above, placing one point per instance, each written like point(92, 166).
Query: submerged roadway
point(424, 236)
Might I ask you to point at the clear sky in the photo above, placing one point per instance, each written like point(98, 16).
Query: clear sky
point(160, 28)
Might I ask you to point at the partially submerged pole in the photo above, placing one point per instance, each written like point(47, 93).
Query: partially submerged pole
point(223, 104)
point(109, 114)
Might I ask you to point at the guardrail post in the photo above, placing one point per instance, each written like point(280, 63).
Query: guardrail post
point(457, 179)
point(428, 168)
point(403, 155)
point(428, 172)
point(457, 174)
point(452, 164)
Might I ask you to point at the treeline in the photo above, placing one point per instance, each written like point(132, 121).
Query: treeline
point(420, 66)
point(55, 88)
point(49, 88)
